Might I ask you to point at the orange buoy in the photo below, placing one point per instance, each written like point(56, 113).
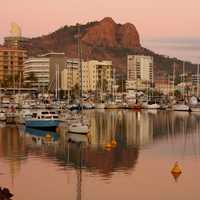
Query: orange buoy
point(113, 143)
point(108, 147)
point(48, 136)
point(176, 171)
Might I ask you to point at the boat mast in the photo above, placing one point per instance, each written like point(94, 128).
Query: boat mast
point(174, 80)
point(58, 82)
point(56, 88)
point(197, 80)
point(183, 79)
point(80, 64)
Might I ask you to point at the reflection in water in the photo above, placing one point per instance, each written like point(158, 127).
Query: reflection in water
point(12, 148)
point(133, 131)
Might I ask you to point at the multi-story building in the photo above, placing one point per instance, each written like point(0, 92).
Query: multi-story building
point(139, 68)
point(97, 75)
point(46, 69)
point(70, 76)
point(15, 40)
point(36, 72)
point(11, 63)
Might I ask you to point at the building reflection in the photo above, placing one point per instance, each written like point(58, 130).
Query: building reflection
point(12, 148)
point(131, 130)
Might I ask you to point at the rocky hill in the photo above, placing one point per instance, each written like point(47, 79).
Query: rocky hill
point(100, 40)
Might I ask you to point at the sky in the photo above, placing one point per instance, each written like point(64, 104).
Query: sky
point(156, 20)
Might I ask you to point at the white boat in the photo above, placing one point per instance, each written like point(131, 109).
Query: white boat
point(100, 106)
point(112, 105)
point(79, 127)
point(151, 105)
point(87, 105)
point(77, 138)
point(22, 116)
point(180, 107)
point(11, 115)
point(195, 108)
point(2, 116)
point(43, 119)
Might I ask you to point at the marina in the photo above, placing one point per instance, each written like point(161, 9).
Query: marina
point(122, 147)
point(101, 105)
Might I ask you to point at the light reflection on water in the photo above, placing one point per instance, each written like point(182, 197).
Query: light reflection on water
point(148, 143)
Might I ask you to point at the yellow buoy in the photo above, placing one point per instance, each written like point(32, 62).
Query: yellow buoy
point(108, 147)
point(48, 136)
point(113, 143)
point(176, 169)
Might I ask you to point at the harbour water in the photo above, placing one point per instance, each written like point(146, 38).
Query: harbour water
point(35, 167)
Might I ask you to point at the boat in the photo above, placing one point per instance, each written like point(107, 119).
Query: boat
point(11, 115)
point(150, 105)
point(43, 119)
point(180, 106)
point(135, 106)
point(195, 108)
point(77, 138)
point(100, 106)
point(22, 116)
point(112, 105)
point(2, 116)
point(79, 127)
point(87, 105)
point(41, 136)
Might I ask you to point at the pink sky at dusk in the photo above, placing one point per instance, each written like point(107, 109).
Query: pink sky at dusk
point(153, 18)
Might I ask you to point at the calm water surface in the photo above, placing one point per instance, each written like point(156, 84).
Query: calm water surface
point(148, 144)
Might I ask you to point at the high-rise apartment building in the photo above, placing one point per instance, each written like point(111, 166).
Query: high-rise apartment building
point(11, 62)
point(139, 71)
point(140, 68)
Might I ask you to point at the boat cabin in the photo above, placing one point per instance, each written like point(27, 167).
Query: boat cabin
point(45, 115)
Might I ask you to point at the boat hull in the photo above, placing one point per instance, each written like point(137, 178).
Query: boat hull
point(42, 123)
point(180, 107)
point(195, 109)
point(83, 129)
point(151, 106)
point(100, 106)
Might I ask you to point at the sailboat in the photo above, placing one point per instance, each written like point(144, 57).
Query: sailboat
point(150, 104)
point(79, 126)
point(181, 105)
point(195, 106)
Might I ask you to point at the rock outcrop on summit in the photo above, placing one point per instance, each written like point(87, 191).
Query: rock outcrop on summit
point(107, 33)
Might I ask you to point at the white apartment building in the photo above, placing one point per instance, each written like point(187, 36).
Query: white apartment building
point(39, 67)
point(139, 70)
